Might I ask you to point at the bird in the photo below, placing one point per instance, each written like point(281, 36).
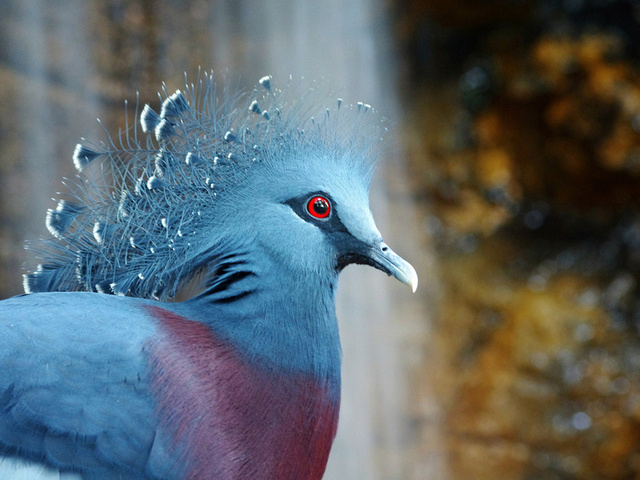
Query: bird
point(254, 201)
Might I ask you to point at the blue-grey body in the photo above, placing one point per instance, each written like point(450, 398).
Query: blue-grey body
point(265, 202)
point(73, 358)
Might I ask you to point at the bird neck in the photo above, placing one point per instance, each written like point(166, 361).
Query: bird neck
point(280, 318)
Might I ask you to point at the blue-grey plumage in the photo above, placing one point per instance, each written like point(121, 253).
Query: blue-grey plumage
point(64, 367)
point(266, 200)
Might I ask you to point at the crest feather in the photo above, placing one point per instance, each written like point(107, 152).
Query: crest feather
point(141, 217)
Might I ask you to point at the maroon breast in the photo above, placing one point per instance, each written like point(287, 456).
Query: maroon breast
point(229, 418)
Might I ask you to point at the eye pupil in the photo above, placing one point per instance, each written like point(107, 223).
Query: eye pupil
point(319, 207)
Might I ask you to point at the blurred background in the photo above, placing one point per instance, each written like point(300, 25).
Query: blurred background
point(513, 187)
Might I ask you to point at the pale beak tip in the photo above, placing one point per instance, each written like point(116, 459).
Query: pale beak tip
point(406, 274)
point(412, 279)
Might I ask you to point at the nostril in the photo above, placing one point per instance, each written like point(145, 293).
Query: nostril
point(384, 247)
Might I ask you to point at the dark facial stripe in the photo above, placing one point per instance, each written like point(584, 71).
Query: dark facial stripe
point(332, 225)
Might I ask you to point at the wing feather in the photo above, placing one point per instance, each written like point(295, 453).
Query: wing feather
point(74, 388)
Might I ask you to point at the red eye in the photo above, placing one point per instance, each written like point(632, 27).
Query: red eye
point(319, 207)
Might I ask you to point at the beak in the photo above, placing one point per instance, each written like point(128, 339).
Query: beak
point(380, 256)
point(385, 259)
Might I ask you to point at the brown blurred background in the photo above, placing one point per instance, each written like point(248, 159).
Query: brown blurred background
point(515, 190)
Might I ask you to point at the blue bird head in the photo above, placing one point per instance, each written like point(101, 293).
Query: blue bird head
point(270, 175)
